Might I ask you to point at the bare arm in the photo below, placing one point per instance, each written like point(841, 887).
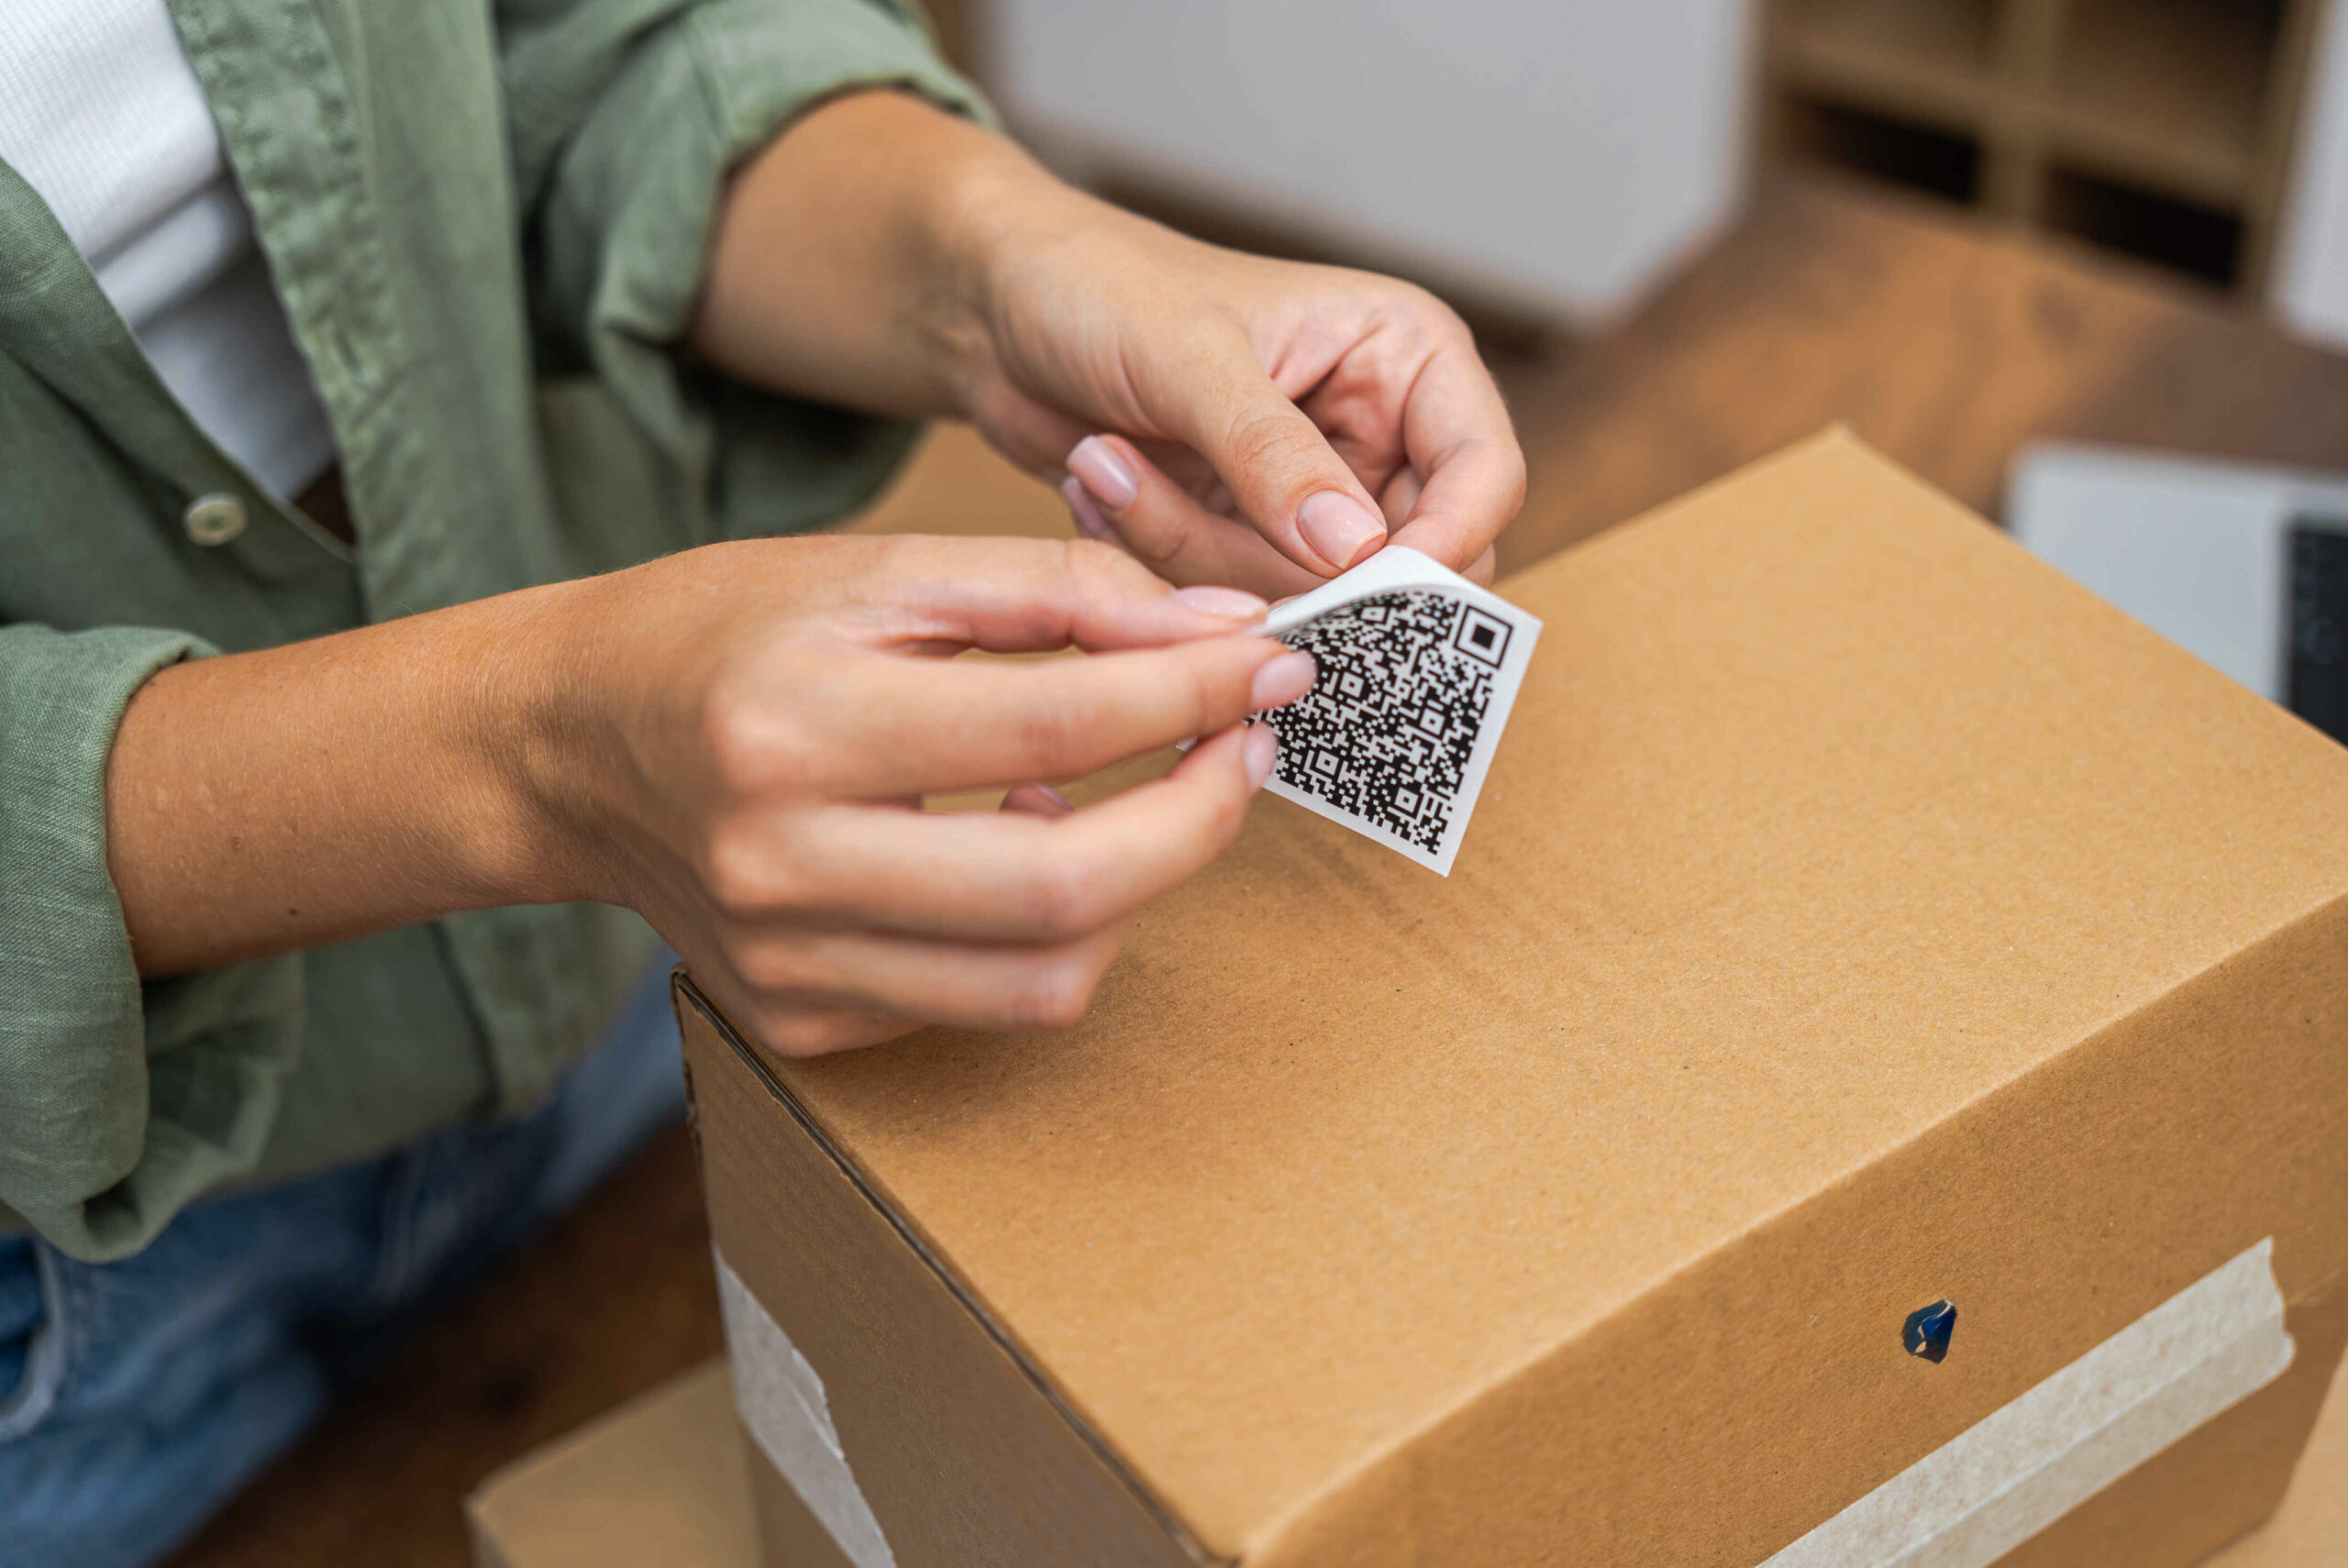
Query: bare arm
point(268, 802)
point(725, 741)
point(1228, 418)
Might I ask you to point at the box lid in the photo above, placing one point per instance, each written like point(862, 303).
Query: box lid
point(1825, 812)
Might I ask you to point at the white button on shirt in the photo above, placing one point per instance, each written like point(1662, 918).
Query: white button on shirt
point(214, 519)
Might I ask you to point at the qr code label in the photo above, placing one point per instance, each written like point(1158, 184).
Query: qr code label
point(1418, 670)
point(1389, 729)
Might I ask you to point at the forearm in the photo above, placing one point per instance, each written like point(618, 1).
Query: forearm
point(848, 260)
point(260, 803)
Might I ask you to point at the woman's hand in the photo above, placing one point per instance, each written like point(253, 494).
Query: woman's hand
point(734, 742)
point(1235, 420)
point(760, 763)
point(1229, 419)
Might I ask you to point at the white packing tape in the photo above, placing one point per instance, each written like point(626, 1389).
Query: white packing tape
point(2003, 1480)
point(782, 1405)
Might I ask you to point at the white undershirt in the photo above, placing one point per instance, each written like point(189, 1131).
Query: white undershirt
point(102, 114)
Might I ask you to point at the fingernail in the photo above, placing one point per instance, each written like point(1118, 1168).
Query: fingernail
point(1231, 603)
point(1263, 753)
point(1282, 681)
point(1105, 473)
point(1036, 800)
point(1089, 521)
point(1339, 528)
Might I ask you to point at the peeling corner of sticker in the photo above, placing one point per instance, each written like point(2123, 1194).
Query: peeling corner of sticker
point(2026, 1464)
point(784, 1408)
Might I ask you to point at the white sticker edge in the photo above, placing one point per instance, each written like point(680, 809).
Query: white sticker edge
point(2026, 1465)
point(1397, 568)
point(782, 1406)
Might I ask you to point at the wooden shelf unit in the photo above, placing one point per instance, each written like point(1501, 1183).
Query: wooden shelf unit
point(2159, 127)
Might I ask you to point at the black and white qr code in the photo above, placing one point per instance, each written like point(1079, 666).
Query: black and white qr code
point(1388, 731)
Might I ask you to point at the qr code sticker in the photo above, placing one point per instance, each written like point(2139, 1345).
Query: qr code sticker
point(1389, 732)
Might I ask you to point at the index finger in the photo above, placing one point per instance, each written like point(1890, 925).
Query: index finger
point(1035, 596)
point(907, 725)
point(1459, 440)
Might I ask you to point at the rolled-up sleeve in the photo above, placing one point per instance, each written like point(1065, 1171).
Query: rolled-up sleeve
point(119, 1100)
point(626, 115)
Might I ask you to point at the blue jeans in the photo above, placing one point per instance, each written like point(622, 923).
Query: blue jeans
point(138, 1397)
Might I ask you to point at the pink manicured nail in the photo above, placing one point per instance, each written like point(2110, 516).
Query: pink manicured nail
point(1089, 521)
point(1282, 681)
point(1039, 800)
point(1231, 603)
point(1263, 749)
point(1105, 473)
point(1339, 528)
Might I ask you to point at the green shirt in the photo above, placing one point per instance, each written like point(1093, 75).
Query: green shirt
point(487, 223)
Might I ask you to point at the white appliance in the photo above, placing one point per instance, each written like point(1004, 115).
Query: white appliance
point(2311, 287)
point(2243, 566)
point(1554, 158)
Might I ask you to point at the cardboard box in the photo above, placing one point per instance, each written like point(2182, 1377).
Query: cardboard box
point(663, 1480)
point(1859, 917)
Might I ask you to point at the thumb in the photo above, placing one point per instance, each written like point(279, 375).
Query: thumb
point(1288, 482)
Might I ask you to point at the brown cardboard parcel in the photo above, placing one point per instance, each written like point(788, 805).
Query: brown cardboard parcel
point(1857, 917)
point(664, 1479)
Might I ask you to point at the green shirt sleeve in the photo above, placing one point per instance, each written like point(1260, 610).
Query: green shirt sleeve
point(120, 1101)
point(627, 116)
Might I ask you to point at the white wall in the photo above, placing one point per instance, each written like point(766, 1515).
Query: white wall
point(2311, 266)
point(1552, 155)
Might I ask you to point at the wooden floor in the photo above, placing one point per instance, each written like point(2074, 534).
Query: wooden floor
point(1944, 345)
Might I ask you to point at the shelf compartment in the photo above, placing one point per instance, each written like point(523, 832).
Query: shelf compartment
point(1953, 34)
point(1926, 59)
point(2196, 240)
point(1903, 151)
point(2166, 94)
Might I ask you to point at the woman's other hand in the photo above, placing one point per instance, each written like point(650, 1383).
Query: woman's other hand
point(1227, 418)
point(1236, 420)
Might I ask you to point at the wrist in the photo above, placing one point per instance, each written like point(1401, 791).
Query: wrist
point(980, 214)
point(1000, 227)
point(526, 732)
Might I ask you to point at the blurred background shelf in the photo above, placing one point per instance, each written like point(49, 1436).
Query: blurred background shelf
point(1920, 59)
point(1956, 35)
point(2159, 128)
point(2176, 89)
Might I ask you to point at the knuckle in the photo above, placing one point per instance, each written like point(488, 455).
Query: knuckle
point(1226, 813)
point(1089, 560)
point(1058, 994)
point(772, 968)
point(1448, 321)
point(747, 743)
point(1433, 312)
point(745, 874)
point(1092, 569)
point(799, 1035)
point(1270, 439)
point(1063, 898)
point(1156, 542)
point(1210, 695)
point(1048, 733)
point(1513, 465)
